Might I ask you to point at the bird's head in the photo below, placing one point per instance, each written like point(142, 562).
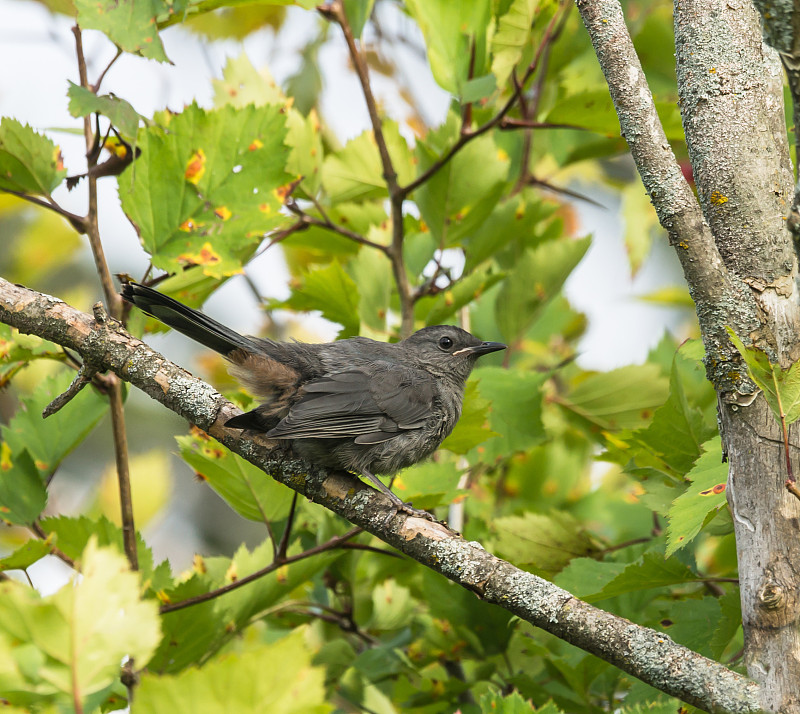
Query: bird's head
point(446, 351)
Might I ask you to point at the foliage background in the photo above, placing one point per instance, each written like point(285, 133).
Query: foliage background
point(371, 632)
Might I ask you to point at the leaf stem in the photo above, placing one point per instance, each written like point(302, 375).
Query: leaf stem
point(331, 544)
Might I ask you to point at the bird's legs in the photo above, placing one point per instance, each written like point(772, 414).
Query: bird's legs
point(397, 502)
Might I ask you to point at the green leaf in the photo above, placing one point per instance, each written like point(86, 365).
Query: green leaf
point(516, 408)
point(27, 554)
point(23, 495)
point(72, 536)
point(244, 487)
point(29, 162)
point(729, 623)
point(277, 677)
point(120, 113)
point(693, 622)
point(624, 398)
point(641, 223)
point(513, 33)
point(450, 301)
point(484, 628)
point(129, 24)
point(207, 186)
point(331, 291)
point(49, 440)
point(355, 173)
point(358, 12)
point(649, 571)
point(704, 498)
point(243, 84)
point(459, 197)
point(674, 296)
point(428, 484)
point(781, 387)
point(192, 635)
point(372, 273)
point(586, 576)
point(451, 31)
point(84, 631)
point(537, 278)
point(545, 543)
point(471, 428)
point(494, 702)
point(678, 429)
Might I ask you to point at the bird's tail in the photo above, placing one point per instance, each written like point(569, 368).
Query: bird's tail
point(186, 320)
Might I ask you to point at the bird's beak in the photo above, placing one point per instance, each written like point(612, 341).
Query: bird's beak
point(482, 349)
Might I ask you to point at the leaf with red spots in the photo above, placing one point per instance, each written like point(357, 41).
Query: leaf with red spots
point(701, 502)
point(201, 194)
point(130, 24)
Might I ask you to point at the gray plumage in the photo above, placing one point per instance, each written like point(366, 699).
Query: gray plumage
point(356, 404)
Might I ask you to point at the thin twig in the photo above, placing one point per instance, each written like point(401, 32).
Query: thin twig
point(36, 527)
point(96, 86)
point(331, 544)
point(465, 138)
point(77, 222)
point(114, 303)
point(396, 196)
point(84, 377)
point(280, 550)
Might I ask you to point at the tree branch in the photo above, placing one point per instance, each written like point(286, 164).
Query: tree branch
point(640, 651)
point(720, 298)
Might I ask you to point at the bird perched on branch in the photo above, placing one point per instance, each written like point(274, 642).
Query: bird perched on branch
point(355, 404)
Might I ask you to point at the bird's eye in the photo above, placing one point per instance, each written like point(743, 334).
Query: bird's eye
point(445, 343)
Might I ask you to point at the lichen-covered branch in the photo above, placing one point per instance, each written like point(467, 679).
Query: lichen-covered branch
point(721, 299)
point(640, 651)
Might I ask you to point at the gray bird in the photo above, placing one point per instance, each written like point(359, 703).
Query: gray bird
point(355, 404)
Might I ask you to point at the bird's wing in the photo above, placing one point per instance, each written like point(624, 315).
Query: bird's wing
point(371, 404)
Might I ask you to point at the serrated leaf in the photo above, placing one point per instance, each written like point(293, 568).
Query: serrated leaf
point(494, 702)
point(49, 440)
point(29, 162)
point(129, 24)
point(454, 32)
point(471, 428)
point(545, 542)
point(586, 576)
point(73, 535)
point(516, 408)
point(355, 173)
point(22, 492)
point(192, 634)
point(624, 398)
point(649, 571)
point(331, 291)
point(27, 554)
point(86, 629)
point(243, 84)
point(513, 33)
point(459, 197)
point(243, 486)
point(781, 387)
point(277, 677)
point(208, 186)
point(702, 500)
point(537, 278)
point(120, 113)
